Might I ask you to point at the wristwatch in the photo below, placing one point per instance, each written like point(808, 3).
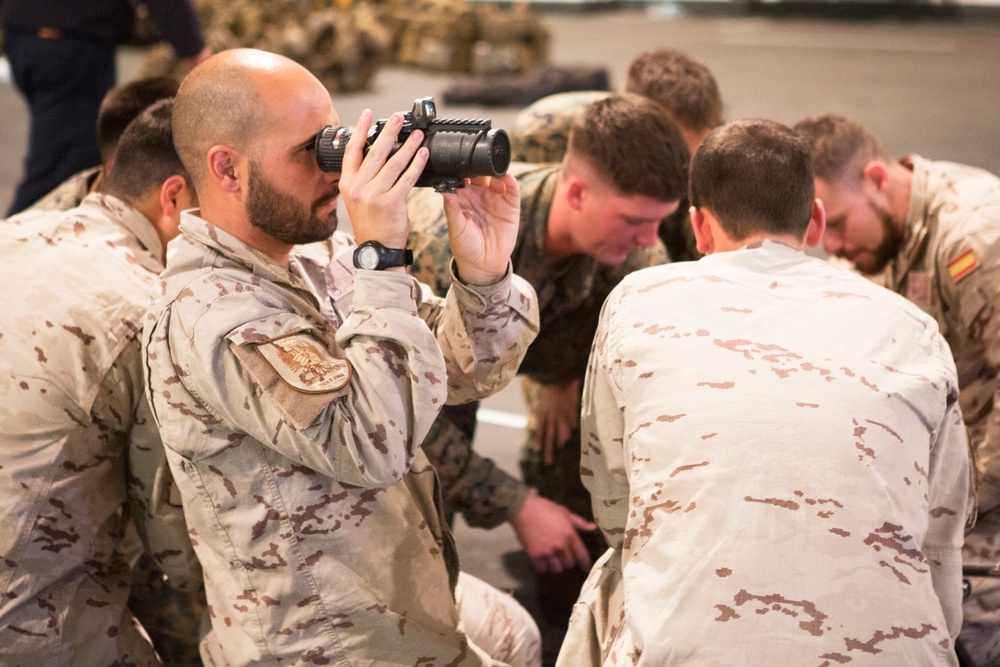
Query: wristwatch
point(373, 256)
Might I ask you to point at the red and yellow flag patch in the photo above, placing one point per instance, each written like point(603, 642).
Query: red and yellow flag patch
point(963, 265)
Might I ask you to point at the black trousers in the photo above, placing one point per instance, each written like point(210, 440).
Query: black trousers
point(63, 79)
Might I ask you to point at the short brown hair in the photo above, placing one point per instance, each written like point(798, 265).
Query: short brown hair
point(634, 145)
point(123, 103)
point(754, 176)
point(682, 84)
point(146, 156)
point(836, 142)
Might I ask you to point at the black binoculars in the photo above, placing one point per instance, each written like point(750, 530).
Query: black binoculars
point(459, 149)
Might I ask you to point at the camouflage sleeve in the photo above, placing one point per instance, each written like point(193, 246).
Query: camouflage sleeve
point(471, 485)
point(484, 332)
point(153, 502)
point(602, 432)
point(428, 240)
point(379, 384)
point(949, 499)
point(976, 299)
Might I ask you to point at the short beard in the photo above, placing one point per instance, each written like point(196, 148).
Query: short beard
point(888, 249)
point(282, 216)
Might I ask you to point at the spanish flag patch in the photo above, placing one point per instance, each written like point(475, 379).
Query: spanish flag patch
point(963, 265)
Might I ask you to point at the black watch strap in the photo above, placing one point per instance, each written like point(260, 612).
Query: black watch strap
point(374, 256)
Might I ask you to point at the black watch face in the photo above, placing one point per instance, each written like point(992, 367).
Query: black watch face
point(368, 258)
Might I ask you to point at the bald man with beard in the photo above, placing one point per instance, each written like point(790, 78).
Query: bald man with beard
point(292, 389)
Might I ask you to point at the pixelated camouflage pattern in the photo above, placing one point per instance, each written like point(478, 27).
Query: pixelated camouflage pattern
point(955, 208)
point(70, 192)
point(569, 301)
point(775, 447)
point(72, 399)
point(541, 130)
point(316, 513)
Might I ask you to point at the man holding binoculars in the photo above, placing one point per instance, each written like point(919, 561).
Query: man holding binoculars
point(292, 389)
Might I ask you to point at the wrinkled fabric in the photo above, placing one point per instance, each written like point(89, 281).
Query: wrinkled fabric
point(72, 399)
point(775, 450)
point(955, 210)
point(570, 294)
point(309, 499)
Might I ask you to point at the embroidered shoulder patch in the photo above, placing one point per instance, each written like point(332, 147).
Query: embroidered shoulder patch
point(302, 362)
point(963, 265)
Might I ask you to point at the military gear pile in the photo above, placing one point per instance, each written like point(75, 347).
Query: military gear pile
point(345, 43)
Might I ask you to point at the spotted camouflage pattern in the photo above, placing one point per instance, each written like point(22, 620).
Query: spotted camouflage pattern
point(774, 446)
point(955, 208)
point(70, 192)
point(541, 130)
point(569, 301)
point(316, 513)
point(73, 413)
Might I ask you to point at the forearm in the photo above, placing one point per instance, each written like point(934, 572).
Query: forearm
point(484, 333)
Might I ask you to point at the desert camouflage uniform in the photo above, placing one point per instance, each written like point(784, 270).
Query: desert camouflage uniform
point(70, 192)
point(569, 300)
point(291, 404)
point(954, 221)
point(776, 454)
point(71, 403)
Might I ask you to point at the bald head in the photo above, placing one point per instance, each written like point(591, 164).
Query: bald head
point(231, 99)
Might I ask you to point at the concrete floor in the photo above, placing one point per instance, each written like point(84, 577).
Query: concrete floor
point(926, 86)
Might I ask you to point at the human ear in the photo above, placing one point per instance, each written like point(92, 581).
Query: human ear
point(817, 225)
point(174, 196)
point(875, 174)
point(576, 192)
point(223, 168)
point(704, 240)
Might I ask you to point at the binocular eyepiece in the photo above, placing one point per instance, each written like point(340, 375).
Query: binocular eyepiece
point(459, 149)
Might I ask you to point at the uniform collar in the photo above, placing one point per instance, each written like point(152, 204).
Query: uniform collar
point(107, 206)
point(916, 230)
point(301, 262)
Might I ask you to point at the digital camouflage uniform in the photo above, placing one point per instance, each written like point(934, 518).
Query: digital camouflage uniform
point(70, 192)
point(950, 267)
point(541, 134)
point(569, 299)
point(292, 404)
point(75, 423)
point(776, 454)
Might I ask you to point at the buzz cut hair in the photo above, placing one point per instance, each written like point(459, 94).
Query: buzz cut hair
point(755, 176)
point(122, 104)
point(837, 143)
point(633, 144)
point(146, 156)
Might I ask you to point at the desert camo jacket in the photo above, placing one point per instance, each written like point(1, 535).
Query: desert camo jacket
point(71, 397)
point(292, 404)
point(775, 450)
point(570, 295)
point(950, 267)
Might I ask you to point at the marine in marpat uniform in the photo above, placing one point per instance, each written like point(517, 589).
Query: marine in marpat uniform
point(585, 222)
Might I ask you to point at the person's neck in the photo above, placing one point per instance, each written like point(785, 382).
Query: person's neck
point(899, 192)
point(559, 243)
point(238, 225)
